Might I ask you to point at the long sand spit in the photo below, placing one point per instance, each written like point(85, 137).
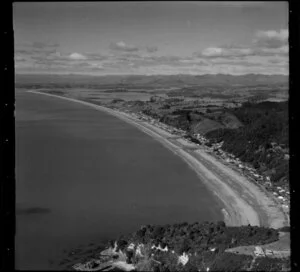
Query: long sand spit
point(244, 202)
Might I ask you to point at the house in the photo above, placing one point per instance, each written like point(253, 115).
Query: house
point(183, 259)
point(269, 252)
point(139, 250)
point(259, 252)
point(214, 249)
point(131, 246)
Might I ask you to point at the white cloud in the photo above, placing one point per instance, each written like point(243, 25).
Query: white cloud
point(283, 51)
point(215, 52)
point(282, 34)
point(122, 46)
point(272, 38)
point(77, 56)
point(266, 43)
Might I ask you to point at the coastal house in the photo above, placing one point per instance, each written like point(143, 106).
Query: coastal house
point(183, 259)
point(215, 249)
point(165, 249)
point(269, 252)
point(259, 252)
point(138, 251)
point(131, 247)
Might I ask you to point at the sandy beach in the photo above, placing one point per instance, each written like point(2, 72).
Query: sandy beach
point(244, 202)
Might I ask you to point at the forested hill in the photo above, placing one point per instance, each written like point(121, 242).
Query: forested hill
point(263, 140)
point(202, 245)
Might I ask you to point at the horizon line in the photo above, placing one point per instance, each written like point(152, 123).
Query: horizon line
point(179, 74)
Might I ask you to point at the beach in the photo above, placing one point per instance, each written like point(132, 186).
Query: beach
point(244, 202)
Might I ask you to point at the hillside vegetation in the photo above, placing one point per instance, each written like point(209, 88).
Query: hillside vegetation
point(202, 244)
point(256, 133)
point(262, 140)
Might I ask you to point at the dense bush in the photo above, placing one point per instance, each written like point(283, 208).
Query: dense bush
point(117, 100)
point(285, 229)
point(264, 123)
point(121, 244)
point(197, 237)
point(196, 240)
point(270, 264)
point(231, 262)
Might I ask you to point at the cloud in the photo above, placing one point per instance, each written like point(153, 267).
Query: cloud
point(282, 51)
point(19, 58)
point(272, 38)
point(35, 48)
point(266, 54)
point(122, 46)
point(42, 45)
point(55, 61)
point(266, 43)
point(77, 56)
point(216, 52)
point(151, 49)
point(95, 56)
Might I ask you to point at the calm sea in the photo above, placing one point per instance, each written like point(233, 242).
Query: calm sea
point(83, 176)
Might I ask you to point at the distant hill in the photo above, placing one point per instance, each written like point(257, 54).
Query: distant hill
point(157, 80)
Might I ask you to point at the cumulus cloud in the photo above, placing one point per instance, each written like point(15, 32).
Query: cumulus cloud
point(77, 56)
point(266, 43)
point(215, 52)
point(122, 46)
point(272, 38)
point(267, 53)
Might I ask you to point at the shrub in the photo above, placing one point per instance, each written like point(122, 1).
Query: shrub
point(285, 229)
point(230, 262)
point(270, 264)
point(121, 244)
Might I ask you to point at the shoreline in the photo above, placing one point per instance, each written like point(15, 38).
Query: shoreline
point(244, 202)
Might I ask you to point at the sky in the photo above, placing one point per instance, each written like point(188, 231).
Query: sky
point(182, 37)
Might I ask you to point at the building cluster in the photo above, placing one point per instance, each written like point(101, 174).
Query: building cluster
point(281, 193)
point(261, 252)
point(153, 121)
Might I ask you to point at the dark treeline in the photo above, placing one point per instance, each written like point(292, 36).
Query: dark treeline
point(262, 141)
point(197, 240)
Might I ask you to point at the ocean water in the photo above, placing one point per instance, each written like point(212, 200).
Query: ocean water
point(83, 176)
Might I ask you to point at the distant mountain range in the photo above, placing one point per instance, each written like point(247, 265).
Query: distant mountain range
point(157, 80)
